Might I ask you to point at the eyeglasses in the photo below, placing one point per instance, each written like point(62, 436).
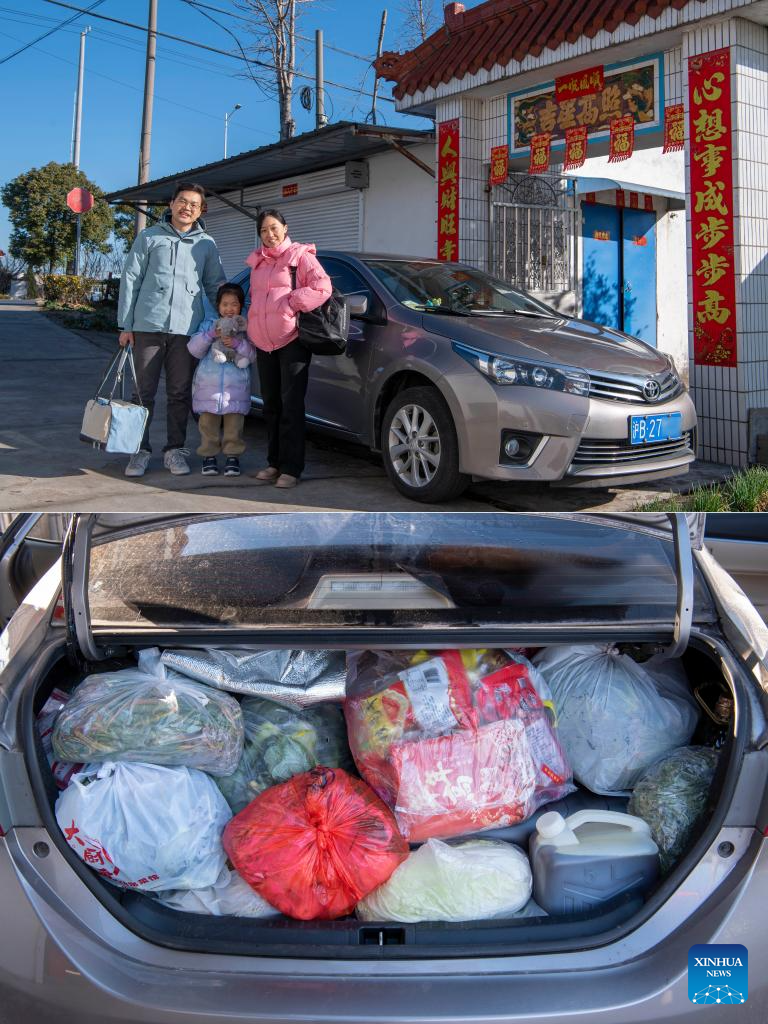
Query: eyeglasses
point(186, 202)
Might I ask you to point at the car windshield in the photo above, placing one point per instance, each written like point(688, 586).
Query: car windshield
point(441, 287)
point(363, 569)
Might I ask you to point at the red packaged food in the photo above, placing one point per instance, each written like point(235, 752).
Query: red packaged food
point(455, 743)
point(315, 845)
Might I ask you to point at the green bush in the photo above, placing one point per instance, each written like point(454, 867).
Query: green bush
point(67, 290)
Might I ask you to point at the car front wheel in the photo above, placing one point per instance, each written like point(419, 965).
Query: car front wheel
point(419, 446)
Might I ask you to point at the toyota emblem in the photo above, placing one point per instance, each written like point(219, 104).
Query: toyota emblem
point(651, 390)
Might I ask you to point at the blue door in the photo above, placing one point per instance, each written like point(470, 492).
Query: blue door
point(601, 229)
point(639, 272)
point(619, 287)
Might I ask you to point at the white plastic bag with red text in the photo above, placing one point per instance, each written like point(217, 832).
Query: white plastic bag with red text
point(144, 826)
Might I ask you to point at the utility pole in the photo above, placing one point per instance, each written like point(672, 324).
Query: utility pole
point(379, 51)
point(320, 119)
point(76, 139)
point(236, 107)
point(79, 101)
point(146, 118)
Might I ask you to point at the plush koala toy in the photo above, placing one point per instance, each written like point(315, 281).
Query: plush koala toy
point(229, 326)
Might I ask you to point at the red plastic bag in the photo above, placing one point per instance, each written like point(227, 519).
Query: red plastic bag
point(315, 845)
point(456, 743)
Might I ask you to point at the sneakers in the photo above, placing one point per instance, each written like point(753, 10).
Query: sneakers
point(175, 460)
point(232, 466)
point(137, 464)
point(210, 466)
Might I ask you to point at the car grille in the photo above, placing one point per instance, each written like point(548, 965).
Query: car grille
point(615, 388)
point(595, 451)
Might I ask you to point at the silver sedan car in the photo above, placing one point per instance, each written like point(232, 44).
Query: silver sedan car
point(77, 947)
point(455, 376)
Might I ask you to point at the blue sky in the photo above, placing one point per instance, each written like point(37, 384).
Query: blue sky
point(193, 88)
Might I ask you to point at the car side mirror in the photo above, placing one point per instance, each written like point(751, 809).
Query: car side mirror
point(357, 304)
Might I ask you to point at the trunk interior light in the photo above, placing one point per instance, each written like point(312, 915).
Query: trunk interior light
point(378, 590)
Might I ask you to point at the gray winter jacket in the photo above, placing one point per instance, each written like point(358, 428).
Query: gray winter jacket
point(164, 277)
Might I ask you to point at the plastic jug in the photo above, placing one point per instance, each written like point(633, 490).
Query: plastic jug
point(589, 858)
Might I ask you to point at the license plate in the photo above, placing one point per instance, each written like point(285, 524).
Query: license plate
point(663, 427)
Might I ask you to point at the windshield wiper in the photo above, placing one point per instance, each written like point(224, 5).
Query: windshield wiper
point(532, 312)
point(441, 309)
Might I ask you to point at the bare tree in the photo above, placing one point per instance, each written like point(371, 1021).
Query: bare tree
point(274, 28)
point(419, 19)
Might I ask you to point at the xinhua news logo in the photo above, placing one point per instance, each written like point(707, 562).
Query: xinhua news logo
point(718, 974)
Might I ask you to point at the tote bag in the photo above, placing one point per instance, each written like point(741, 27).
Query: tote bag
point(114, 424)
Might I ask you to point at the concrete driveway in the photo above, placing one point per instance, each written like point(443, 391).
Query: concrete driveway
point(47, 373)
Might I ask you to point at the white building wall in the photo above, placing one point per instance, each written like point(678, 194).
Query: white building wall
point(400, 207)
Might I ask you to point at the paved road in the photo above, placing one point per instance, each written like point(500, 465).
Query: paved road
point(46, 375)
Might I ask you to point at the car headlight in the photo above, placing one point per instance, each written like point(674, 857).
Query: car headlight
point(517, 371)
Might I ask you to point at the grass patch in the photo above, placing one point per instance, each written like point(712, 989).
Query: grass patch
point(746, 491)
point(100, 316)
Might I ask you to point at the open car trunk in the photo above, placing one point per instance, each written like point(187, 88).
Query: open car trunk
point(353, 938)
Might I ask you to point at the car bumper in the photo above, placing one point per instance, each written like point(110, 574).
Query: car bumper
point(83, 965)
point(580, 441)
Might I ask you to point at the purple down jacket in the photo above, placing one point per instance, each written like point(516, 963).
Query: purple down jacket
point(220, 388)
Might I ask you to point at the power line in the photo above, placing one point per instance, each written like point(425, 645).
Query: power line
point(51, 31)
point(307, 39)
point(135, 88)
point(204, 46)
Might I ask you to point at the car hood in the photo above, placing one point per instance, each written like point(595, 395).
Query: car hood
point(566, 341)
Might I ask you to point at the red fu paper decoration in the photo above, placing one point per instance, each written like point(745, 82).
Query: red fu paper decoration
point(540, 145)
point(575, 148)
point(448, 190)
point(499, 165)
point(674, 128)
point(622, 138)
point(711, 205)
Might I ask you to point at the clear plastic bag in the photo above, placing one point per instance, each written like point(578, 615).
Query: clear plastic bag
point(315, 845)
point(61, 771)
point(229, 896)
point(142, 826)
point(297, 679)
point(162, 718)
point(472, 880)
point(281, 742)
point(456, 742)
point(671, 797)
point(615, 716)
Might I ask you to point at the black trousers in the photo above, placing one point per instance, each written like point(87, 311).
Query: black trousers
point(152, 353)
point(284, 375)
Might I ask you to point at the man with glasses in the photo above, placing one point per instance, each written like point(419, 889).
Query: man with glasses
point(161, 304)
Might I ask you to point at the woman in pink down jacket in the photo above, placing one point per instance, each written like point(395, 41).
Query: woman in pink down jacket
point(282, 360)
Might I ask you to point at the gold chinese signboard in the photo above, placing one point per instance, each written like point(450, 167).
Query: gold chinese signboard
point(448, 191)
point(630, 90)
point(712, 244)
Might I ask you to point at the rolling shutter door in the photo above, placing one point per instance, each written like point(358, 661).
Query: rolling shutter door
point(235, 236)
point(331, 221)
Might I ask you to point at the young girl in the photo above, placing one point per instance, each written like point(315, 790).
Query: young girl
point(221, 391)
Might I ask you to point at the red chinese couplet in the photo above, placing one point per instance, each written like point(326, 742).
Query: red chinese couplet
point(622, 138)
point(540, 145)
point(448, 191)
point(581, 83)
point(634, 200)
point(575, 148)
point(620, 198)
point(714, 282)
point(648, 203)
point(674, 128)
point(499, 165)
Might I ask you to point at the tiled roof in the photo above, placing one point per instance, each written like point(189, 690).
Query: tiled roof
point(498, 31)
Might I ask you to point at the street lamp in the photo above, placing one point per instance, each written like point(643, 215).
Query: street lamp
point(237, 106)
